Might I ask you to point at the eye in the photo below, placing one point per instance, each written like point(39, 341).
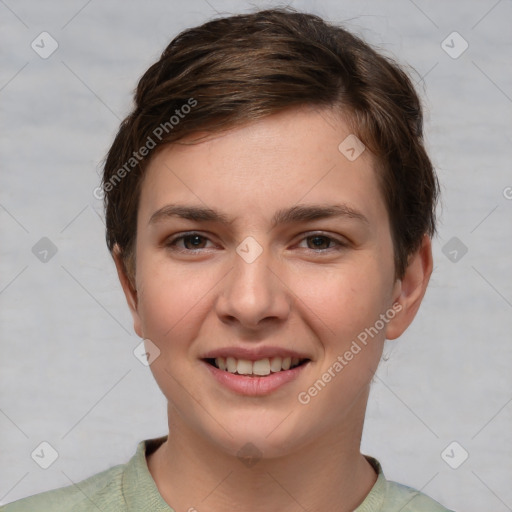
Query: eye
point(321, 243)
point(194, 241)
point(189, 242)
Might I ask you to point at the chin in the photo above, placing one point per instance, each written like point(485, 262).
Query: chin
point(255, 437)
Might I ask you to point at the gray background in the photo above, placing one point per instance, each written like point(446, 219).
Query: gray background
point(67, 370)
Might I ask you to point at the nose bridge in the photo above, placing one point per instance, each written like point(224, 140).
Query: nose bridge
point(251, 291)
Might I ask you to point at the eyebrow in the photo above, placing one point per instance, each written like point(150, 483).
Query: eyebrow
point(295, 214)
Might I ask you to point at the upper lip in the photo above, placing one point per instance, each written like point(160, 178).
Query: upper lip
point(253, 354)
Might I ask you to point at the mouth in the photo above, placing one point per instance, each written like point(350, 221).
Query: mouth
point(259, 368)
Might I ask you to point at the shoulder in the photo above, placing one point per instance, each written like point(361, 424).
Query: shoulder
point(389, 496)
point(123, 487)
point(102, 491)
point(406, 499)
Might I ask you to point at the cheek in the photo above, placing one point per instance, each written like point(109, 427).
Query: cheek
point(172, 310)
point(343, 301)
point(172, 300)
point(347, 303)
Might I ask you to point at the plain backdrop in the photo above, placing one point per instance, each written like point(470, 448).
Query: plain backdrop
point(67, 369)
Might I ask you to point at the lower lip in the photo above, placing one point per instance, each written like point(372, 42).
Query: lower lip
point(255, 386)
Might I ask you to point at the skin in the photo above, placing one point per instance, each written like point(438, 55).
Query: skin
point(302, 292)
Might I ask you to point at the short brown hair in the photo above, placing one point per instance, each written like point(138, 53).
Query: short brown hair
point(236, 69)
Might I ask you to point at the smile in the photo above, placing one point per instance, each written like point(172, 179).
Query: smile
point(258, 368)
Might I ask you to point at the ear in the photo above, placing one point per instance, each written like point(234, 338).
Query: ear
point(409, 291)
point(129, 289)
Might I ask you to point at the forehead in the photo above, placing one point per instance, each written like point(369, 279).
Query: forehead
point(299, 156)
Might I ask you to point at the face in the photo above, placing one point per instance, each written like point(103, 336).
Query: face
point(257, 249)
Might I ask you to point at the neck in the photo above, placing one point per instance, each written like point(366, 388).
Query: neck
point(331, 474)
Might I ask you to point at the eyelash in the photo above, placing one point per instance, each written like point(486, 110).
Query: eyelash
point(171, 244)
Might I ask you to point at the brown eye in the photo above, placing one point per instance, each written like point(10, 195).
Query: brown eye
point(194, 241)
point(322, 243)
point(188, 242)
point(319, 242)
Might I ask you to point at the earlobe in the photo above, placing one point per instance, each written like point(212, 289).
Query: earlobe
point(129, 289)
point(411, 289)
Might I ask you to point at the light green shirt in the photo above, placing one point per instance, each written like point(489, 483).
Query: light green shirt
point(130, 487)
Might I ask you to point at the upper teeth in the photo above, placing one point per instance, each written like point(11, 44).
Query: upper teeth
point(259, 367)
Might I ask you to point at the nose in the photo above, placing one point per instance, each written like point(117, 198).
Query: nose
point(254, 295)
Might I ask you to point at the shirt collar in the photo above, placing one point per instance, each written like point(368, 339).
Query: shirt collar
point(375, 498)
point(139, 489)
point(141, 493)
